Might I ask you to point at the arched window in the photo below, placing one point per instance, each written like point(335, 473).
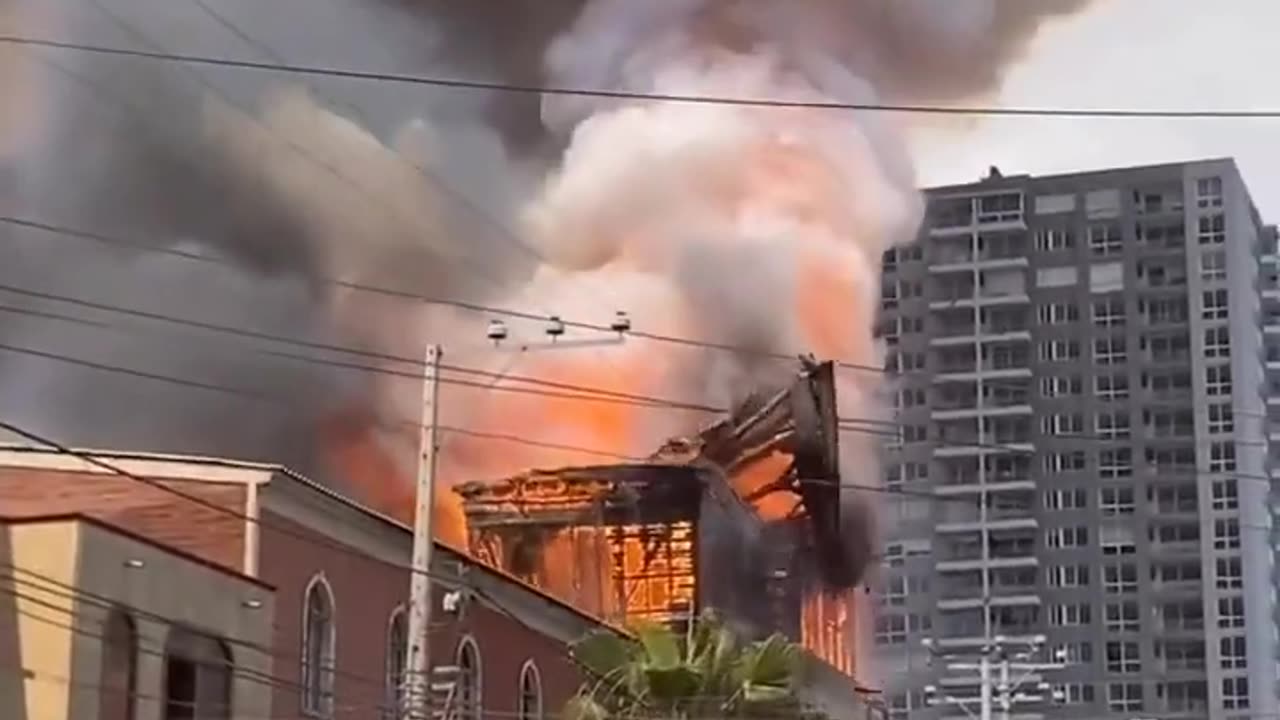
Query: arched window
point(117, 683)
point(197, 677)
point(469, 697)
point(530, 692)
point(318, 640)
point(397, 650)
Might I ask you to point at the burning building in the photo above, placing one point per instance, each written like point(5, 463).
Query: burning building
point(753, 501)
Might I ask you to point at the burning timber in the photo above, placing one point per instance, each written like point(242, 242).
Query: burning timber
point(744, 517)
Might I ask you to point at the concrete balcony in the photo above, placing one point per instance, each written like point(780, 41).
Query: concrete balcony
point(977, 640)
point(960, 262)
point(976, 602)
point(985, 300)
point(991, 447)
point(986, 335)
point(971, 374)
point(961, 413)
point(973, 488)
point(968, 526)
point(994, 562)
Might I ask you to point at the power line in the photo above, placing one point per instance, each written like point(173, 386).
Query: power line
point(56, 588)
point(479, 308)
point(330, 347)
point(883, 428)
point(602, 93)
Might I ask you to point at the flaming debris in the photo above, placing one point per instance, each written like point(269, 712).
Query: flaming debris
point(752, 501)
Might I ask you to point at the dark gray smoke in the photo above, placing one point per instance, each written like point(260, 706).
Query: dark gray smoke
point(123, 147)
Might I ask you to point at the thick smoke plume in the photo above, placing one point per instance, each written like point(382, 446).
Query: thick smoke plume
point(758, 227)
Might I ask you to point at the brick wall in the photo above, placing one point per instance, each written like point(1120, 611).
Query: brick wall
point(366, 592)
point(135, 506)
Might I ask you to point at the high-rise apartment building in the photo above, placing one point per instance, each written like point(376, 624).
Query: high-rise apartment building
point(1081, 372)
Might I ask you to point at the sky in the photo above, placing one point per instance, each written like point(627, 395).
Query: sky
point(1168, 54)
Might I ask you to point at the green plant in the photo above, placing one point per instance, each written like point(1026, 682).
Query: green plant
point(706, 673)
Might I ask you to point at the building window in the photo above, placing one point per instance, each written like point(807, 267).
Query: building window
point(197, 677)
point(1226, 534)
point(470, 690)
point(1185, 571)
point(1213, 266)
point(1186, 532)
point(1068, 576)
point(1221, 418)
point(1071, 461)
point(1070, 615)
point(891, 630)
point(1182, 615)
point(1222, 456)
point(1224, 495)
point(1124, 697)
point(1117, 501)
point(1217, 380)
point(397, 656)
point(1112, 425)
point(318, 645)
point(118, 675)
point(1185, 696)
point(1075, 499)
point(1120, 578)
point(1181, 654)
point(1073, 653)
point(1067, 537)
point(1209, 192)
point(1217, 342)
point(1105, 239)
point(1062, 424)
point(1059, 313)
point(530, 692)
point(1059, 350)
point(1115, 463)
point(1073, 694)
point(1109, 311)
point(1112, 387)
point(912, 434)
point(1060, 386)
point(1229, 574)
point(1235, 693)
point(888, 297)
point(1213, 230)
point(1123, 657)
point(1109, 351)
point(1054, 239)
point(1234, 652)
point(1216, 305)
point(1123, 617)
point(1230, 612)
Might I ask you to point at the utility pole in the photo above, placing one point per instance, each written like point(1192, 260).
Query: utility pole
point(418, 670)
point(1005, 691)
point(417, 666)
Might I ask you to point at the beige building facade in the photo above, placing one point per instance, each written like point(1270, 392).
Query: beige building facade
point(98, 623)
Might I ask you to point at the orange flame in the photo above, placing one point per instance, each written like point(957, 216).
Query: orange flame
point(379, 481)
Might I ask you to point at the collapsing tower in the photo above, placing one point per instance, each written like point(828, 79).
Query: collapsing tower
point(748, 517)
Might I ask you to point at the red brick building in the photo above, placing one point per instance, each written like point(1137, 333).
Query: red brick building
point(340, 584)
